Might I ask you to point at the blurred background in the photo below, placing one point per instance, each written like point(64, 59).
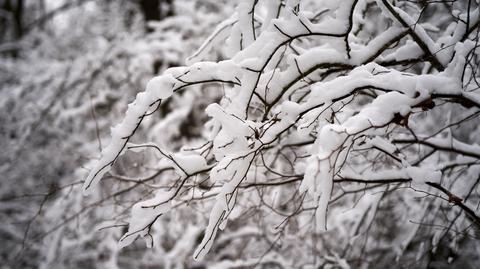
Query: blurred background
point(68, 69)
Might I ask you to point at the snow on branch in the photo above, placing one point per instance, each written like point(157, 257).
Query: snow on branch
point(307, 97)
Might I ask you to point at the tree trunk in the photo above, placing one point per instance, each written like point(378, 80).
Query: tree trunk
point(156, 10)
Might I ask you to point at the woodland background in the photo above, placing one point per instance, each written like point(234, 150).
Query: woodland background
point(69, 69)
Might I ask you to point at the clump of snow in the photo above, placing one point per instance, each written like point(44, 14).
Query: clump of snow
point(158, 86)
point(189, 163)
point(142, 217)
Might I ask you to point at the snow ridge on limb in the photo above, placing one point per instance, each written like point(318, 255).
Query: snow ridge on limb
point(147, 102)
point(335, 140)
point(157, 89)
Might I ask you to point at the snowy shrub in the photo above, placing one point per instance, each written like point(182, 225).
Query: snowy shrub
point(331, 112)
point(334, 116)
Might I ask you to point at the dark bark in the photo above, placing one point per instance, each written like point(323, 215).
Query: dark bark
point(11, 27)
point(156, 10)
point(15, 8)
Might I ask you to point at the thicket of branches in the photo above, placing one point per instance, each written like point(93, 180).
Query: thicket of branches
point(300, 134)
point(63, 83)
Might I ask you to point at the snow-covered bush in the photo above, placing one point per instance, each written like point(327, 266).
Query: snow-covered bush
point(347, 132)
